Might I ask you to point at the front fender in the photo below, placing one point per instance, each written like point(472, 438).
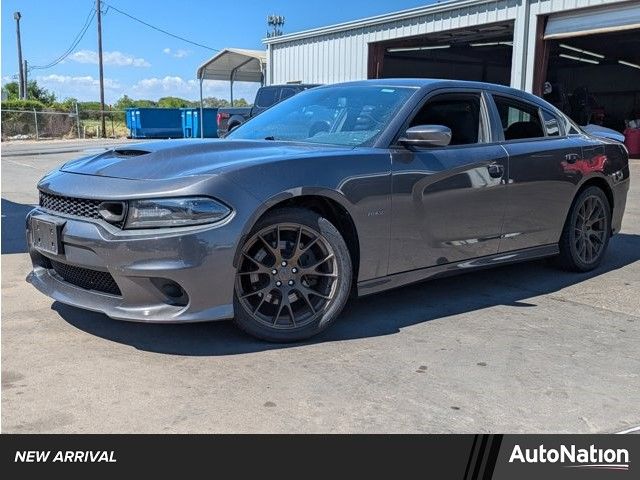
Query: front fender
point(283, 196)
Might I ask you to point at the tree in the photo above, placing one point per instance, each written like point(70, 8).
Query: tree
point(175, 102)
point(127, 102)
point(223, 103)
point(34, 92)
point(11, 89)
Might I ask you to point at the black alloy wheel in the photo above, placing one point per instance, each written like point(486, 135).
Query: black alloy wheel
point(589, 229)
point(586, 233)
point(290, 275)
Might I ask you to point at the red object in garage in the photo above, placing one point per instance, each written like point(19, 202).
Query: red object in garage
point(632, 141)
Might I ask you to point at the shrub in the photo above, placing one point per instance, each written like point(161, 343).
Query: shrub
point(22, 105)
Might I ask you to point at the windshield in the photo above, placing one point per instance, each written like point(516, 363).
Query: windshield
point(348, 115)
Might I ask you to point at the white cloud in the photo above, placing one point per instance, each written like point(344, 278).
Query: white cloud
point(84, 88)
point(86, 80)
point(114, 58)
point(180, 53)
point(154, 88)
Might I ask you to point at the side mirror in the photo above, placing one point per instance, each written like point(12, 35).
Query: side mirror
point(426, 136)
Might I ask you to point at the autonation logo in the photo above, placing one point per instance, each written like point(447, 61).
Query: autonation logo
point(573, 457)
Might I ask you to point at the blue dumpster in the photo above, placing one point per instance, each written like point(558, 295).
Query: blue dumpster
point(154, 122)
point(191, 122)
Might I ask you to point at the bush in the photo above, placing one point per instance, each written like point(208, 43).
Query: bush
point(22, 105)
point(91, 106)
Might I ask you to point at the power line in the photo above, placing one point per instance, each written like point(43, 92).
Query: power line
point(78, 38)
point(159, 29)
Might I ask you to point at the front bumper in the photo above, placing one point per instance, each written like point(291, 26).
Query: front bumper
point(198, 259)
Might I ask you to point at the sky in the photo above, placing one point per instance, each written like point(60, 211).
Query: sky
point(143, 63)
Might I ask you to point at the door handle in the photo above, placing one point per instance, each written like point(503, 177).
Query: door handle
point(571, 157)
point(495, 170)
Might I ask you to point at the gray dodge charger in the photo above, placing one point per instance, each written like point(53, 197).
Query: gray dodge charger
point(345, 189)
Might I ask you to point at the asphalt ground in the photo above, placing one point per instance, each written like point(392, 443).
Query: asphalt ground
point(523, 348)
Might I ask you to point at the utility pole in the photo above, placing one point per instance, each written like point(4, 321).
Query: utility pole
point(21, 92)
point(99, 15)
point(25, 88)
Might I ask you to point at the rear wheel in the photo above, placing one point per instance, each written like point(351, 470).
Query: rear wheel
point(293, 278)
point(586, 232)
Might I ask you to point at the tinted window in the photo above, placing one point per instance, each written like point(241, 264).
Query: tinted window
point(286, 93)
point(551, 124)
point(461, 113)
point(266, 97)
point(519, 119)
point(341, 115)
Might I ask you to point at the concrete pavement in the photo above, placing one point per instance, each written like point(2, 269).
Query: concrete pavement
point(524, 348)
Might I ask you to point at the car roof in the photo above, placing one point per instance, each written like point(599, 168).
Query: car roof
point(435, 83)
point(293, 85)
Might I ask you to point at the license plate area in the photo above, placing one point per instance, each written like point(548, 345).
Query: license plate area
point(46, 235)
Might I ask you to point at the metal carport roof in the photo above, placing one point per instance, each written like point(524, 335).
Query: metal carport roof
point(232, 64)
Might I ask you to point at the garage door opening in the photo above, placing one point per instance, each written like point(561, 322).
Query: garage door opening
point(481, 54)
point(595, 79)
point(590, 65)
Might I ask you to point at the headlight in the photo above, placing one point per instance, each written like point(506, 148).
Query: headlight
point(174, 212)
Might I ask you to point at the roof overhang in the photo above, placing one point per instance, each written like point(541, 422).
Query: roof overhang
point(432, 8)
point(234, 64)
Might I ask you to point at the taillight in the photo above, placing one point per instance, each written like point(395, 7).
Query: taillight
point(222, 116)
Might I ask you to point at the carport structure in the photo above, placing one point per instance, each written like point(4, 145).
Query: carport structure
point(232, 64)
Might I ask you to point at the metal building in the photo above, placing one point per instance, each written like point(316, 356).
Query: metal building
point(528, 44)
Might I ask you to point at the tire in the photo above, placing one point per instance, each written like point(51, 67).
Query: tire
point(293, 278)
point(584, 241)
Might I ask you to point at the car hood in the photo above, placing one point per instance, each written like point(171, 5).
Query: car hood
point(180, 158)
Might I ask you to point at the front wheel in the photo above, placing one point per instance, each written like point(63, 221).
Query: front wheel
point(294, 276)
point(586, 232)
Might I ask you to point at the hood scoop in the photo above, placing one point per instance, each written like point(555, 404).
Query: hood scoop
point(129, 152)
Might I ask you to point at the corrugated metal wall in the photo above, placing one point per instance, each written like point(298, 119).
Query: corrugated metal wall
point(338, 56)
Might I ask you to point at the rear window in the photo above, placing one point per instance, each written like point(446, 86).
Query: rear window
point(287, 92)
point(266, 97)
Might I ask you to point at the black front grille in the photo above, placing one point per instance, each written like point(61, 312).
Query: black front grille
point(81, 207)
point(87, 278)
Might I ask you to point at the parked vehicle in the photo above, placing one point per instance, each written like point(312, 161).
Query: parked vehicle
point(266, 97)
point(356, 187)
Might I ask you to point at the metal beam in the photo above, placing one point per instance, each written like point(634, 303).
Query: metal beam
point(201, 110)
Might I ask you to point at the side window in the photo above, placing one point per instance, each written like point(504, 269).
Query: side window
point(551, 124)
point(459, 112)
point(570, 127)
point(286, 93)
point(266, 97)
point(519, 119)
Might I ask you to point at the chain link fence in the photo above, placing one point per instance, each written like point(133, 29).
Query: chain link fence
point(50, 124)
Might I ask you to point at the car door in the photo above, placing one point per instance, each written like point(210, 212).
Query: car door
point(542, 172)
point(448, 202)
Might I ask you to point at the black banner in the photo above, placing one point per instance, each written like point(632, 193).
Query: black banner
point(465, 457)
